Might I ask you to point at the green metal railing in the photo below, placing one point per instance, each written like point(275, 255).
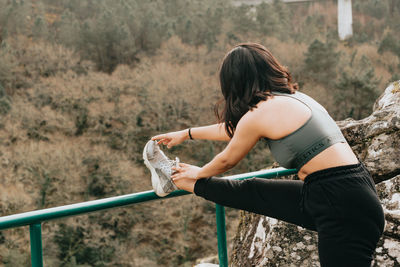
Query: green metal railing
point(35, 218)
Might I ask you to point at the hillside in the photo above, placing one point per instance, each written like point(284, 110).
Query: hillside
point(84, 86)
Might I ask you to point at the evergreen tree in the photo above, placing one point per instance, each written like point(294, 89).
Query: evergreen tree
point(198, 22)
point(39, 29)
point(5, 101)
point(15, 18)
point(7, 66)
point(389, 43)
point(356, 91)
point(107, 41)
point(243, 19)
point(69, 29)
point(273, 19)
point(321, 62)
point(375, 8)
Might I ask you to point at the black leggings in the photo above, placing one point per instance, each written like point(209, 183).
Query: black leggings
point(339, 203)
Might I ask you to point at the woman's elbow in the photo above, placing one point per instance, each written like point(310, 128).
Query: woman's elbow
point(228, 163)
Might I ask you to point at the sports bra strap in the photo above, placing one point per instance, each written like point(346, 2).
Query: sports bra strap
point(317, 134)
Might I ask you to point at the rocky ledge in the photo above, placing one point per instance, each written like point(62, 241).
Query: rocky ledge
point(263, 241)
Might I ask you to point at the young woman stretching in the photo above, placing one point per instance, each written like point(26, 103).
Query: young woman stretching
point(335, 195)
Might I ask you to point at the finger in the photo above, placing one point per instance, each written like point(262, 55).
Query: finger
point(170, 144)
point(175, 176)
point(178, 175)
point(157, 137)
point(181, 164)
point(177, 169)
point(165, 142)
point(177, 179)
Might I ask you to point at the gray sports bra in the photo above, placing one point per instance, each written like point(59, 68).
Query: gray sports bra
point(317, 134)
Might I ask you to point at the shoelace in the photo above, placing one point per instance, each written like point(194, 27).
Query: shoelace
point(174, 162)
point(170, 163)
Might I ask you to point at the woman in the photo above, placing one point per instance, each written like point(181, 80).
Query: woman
point(334, 195)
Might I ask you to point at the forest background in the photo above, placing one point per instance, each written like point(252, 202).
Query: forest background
point(85, 83)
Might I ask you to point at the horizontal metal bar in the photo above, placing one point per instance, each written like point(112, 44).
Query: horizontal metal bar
point(39, 216)
point(269, 173)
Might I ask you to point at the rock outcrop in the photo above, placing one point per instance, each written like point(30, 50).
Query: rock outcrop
point(263, 241)
point(376, 139)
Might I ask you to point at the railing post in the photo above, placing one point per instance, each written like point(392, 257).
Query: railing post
point(36, 244)
point(221, 233)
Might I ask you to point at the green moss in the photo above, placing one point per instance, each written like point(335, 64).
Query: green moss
point(396, 87)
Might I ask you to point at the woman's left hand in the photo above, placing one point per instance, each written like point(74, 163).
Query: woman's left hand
point(185, 171)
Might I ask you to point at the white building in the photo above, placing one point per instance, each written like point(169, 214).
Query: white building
point(345, 19)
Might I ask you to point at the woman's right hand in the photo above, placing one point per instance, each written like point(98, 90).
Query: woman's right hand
point(171, 139)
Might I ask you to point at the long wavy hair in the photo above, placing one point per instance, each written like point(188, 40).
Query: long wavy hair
point(249, 74)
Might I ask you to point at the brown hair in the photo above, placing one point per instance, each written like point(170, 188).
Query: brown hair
point(248, 75)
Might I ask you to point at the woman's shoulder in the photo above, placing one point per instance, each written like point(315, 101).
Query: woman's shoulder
point(266, 110)
point(274, 103)
point(278, 109)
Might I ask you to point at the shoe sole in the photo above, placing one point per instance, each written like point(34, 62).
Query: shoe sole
point(155, 179)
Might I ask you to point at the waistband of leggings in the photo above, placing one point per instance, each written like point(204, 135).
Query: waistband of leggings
point(356, 170)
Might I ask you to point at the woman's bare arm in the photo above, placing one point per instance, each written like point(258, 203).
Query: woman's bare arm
point(246, 135)
point(214, 132)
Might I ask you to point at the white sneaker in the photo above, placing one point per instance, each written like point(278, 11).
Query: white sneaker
point(160, 168)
